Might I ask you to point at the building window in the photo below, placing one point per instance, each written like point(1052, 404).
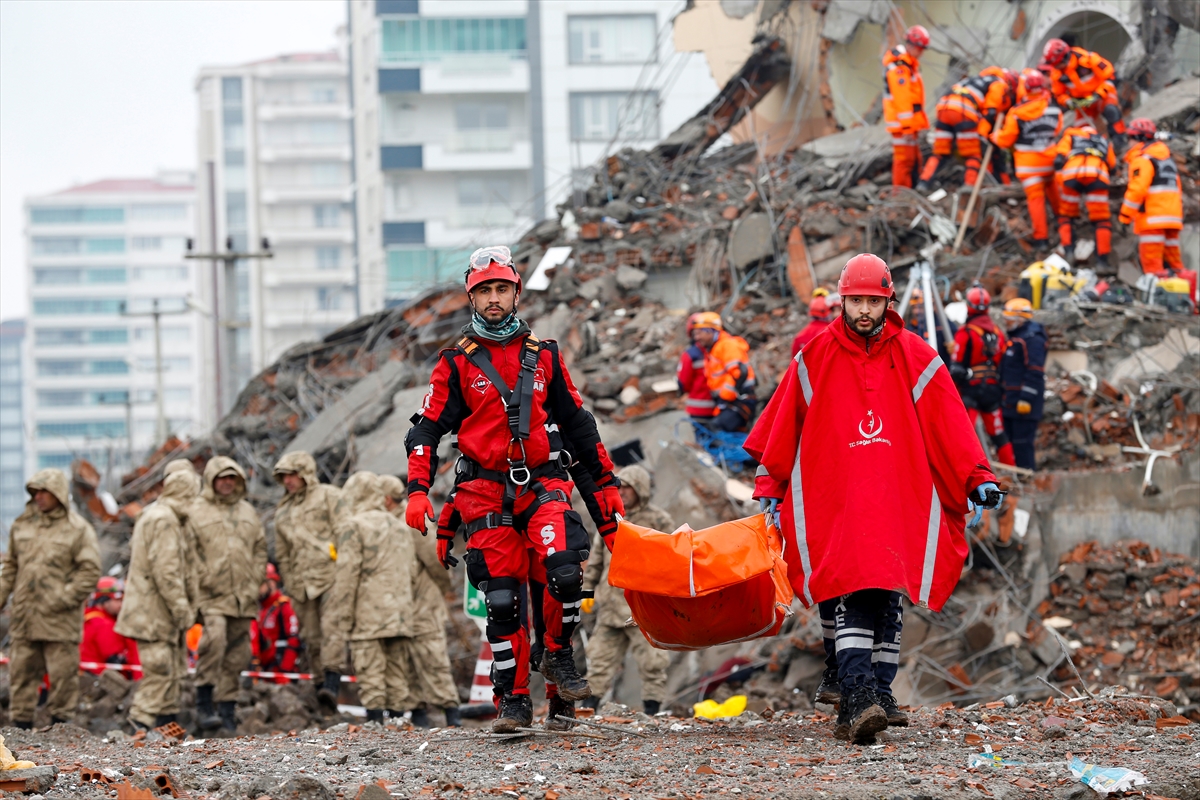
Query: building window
point(169, 333)
point(54, 399)
point(398, 119)
point(59, 337)
point(114, 366)
point(329, 257)
point(170, 364)
point(99, 429)
point(328, 298)
point(111, 397)
point(326, 216)
point(55, 460)
point(178, 395)
point(63, 306)
point(484, 191)
point(612, 39)
point(64, 246)
point(411, 270)
point(327, 173)
point(101, 246)
point(398, 195)
point(481, 127)
point(158, 212)
point(408, 40)
point(160, 274)
point(323, 93)
point(65, 215)
point(604, 116)
point(54, 369)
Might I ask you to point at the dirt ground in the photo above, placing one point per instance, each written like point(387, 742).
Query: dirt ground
point(789, 755)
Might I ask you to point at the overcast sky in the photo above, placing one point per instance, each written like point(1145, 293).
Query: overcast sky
point(104, 89)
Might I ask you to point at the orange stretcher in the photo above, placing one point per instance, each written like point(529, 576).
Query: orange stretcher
point(693, 589)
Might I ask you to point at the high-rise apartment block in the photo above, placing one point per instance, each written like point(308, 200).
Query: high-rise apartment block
point(472, 118)
point(12, 424)
point(99, 257)
point(274, 163)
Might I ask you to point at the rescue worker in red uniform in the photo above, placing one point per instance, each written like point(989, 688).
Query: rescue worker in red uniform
point(692, 384)
point(1081, 80)
point(969, 110)
point(1153, 199)
point(275, 635)
point(823, 309)
point(904, 104)
point(101, 643)
point(1082, 162)
point(1031, 129)
point(978, 349)
point(868, 414)
point(520, 424)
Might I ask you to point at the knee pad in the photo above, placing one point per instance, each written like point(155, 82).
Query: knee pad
point(564, 575)
point(503, 600)
point(999, 439)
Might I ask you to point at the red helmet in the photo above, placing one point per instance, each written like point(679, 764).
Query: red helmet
point(1034, 81)
point(1055, 52)
point(1142, 128)
point(272, 573)
point(917, 36)
point(978, 298)
point(819, 308)
point(1011, 79)
point(691, 322)
point(110, 587)
point(866, 275)
point(492, 264)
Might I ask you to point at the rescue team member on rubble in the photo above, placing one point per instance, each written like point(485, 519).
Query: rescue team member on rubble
point(101, 643)
point(49, 569)
point(969, 110)
point(306, 531)
point(158, 608)
point(611, 637)
point(978, 347)
point(728, 373)
point(868, 413)
point(431, 677)
point(1031, 129)
point(1023, 375)
point(512, 402)
point(232, 549)
point(1153, 199)
point(373, 592)
point(1081, 80)
point(1082, 162)
point(692, 384)
point(904, 104)
point(823, 309)
point(275, 635)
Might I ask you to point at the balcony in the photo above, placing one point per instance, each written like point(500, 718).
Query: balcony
point(305, 152)
point(301, 194)
point(447, 157)
point(310, 317)
point(280, 110)
point(308, 277)
point(476, 75)
point(309, 235)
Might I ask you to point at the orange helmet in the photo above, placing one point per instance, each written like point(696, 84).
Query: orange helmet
point(492, 264)
point(708, 319)
point(866, 275)
point(1018, 307)
point(917, 36)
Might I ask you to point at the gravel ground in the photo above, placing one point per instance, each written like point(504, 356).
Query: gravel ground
point(789, 755)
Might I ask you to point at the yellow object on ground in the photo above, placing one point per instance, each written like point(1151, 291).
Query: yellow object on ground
point(711, 709)
point(8, 762)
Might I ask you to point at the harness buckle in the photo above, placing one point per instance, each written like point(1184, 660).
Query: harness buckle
point(515, 471)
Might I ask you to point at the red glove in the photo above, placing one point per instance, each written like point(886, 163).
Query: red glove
point(608, 498)
point(446, 527)
point(444, 546)
point(419, 510)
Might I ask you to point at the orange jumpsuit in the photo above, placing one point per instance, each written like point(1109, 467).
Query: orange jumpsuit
point(1154, 202)
point(904, 112)
point(731, 380)
point(967, 111)
point(1031, 129)
point(1085, 83)
point(1083, 160)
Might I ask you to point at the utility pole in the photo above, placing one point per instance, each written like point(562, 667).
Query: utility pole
point(160, 429)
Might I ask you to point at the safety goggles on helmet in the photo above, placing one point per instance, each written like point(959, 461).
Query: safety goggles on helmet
point(485, 256)
point(491, 264)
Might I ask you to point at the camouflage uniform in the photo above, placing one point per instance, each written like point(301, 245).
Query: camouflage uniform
point(158, 609)
point(232, 550)
point(50, 569)
point(610, 638)
point(306, 531)
point(373, 595)
point(431, 676)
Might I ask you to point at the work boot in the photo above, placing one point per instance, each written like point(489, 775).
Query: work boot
point(375, 715)
point(1102, 263)
point(453, 719)
point(829, 692)
point(327, 695)
point(136, 727)
point(1069, 253)
point(516, 711)
point(420, 718)
point(558, 666)
point(592, 702)
point(862, 715)
point(206, 716)
point(651, 707)
point(228, 712)
point(165, 719)
point(559, 708)
point(895, 717)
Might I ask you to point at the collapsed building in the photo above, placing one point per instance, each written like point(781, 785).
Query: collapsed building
point(745, 209)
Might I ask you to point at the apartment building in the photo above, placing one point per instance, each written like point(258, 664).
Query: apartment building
point(100, 256)
point(274, 164)
point(472, 118)
point(12, 425)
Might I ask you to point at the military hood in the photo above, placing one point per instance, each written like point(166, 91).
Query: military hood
point(179, 490)
point(52, 480)
point(393, 487)
point(300, 463)
point(218, 466)
point(365, 492)
point(638, 479)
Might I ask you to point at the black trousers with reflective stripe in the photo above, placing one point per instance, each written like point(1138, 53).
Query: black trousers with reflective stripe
point(846, 649)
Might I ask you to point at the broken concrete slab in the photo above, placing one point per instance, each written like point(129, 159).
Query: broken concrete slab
point(1156, 359)
point(630, 278)
point(1174, 99)
point(752, 240)
point(34, 780)
point(337, 422)
point(848, 143)
point(383, 451)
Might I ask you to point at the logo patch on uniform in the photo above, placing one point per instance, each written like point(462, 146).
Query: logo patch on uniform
point(481, 384)
point(547, 534)
point(871, 430)
point(427, 401)
point(539, 380)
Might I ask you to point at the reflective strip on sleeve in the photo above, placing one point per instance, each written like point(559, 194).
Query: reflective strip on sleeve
point(801, 529)
point(931, 543)
point(926, 376)
point(802, 374)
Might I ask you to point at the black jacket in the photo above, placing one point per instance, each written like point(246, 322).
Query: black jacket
point(1023, 370)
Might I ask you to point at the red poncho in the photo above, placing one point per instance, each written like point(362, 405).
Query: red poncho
point(869, 434)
